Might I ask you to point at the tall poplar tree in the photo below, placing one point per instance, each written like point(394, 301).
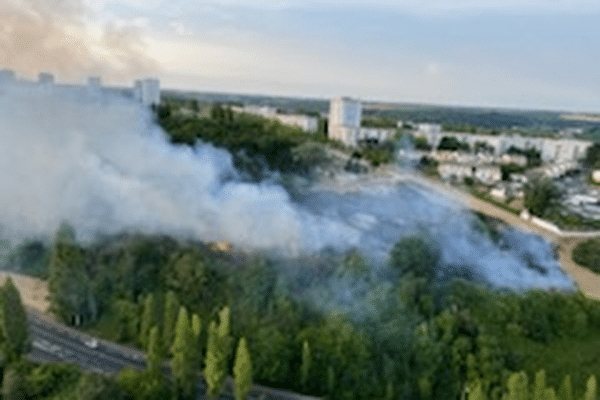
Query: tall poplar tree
point(242, 371)
point(149, 321)
point(217, 353)
point(155, 353)
point(590, 392)
point(305, 366)
point(69, 285)
point(183, 358)
point(196, 332)
point(171, 310)
point(13, 322)
point(565, 392)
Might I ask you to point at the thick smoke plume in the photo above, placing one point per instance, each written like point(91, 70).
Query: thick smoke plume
point(41, 35)
point(101, 164)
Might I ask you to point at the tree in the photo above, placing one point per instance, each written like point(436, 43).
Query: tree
point(187, 275)
point(149, 320)
point(565, 392)
point(13, 385)
point(305, 366)
point(590, 392)
point(242, 371)
point(69, 285)
point(98, 387)
point(215, 369)
point(217, 351)
point(155, 353)
point(592, 156)
point(171, 309)
point(451, 143)
point(13, 322)
point(196, 333)
point(415, 254)
point(539, 386)
point(517, 387)
point(311, 154)
point(421, 143)
point(539, 196)
point(183, 357)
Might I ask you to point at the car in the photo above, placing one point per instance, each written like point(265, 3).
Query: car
point(91, 343)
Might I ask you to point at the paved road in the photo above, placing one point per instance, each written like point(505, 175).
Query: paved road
point(54, 342)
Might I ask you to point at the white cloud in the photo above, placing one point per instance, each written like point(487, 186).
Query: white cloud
point(420, 6)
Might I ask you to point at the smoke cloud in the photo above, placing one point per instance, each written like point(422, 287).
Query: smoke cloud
point(41, 35)
point(100, 163)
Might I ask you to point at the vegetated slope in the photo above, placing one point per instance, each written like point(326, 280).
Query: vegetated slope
point(587, 254)
point(370, 329)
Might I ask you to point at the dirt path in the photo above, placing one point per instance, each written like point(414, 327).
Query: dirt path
point(34, 292)
point(589, 282)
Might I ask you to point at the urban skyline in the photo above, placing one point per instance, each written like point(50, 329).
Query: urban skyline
point(531, 54)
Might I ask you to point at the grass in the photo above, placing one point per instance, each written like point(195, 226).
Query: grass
point(495, 202)
point(587, 254)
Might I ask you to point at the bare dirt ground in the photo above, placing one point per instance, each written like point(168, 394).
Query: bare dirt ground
point(34, 291)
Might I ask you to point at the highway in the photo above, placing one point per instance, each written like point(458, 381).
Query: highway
point(54, 342)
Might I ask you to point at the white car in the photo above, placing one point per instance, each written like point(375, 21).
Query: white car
point(92, 343)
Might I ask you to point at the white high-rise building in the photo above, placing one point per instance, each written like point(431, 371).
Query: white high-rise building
point(344, 111)
point(147, 91)
point(344, 120)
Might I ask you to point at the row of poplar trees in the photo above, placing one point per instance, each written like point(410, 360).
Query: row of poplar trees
point(180, 337)
point(518, 387)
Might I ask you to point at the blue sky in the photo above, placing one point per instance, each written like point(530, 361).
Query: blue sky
point(526, 54)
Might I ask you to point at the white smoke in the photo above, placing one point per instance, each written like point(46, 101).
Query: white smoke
point(101, 164)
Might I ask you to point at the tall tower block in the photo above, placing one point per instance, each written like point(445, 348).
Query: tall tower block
point(147, 91)
point(345, 115)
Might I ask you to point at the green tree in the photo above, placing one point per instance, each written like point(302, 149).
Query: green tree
point(587, 254)
point(98, 387)
point(215, 367)
point(155, 353)
point(590, 391)
point(539, 386)
point(305, 366)
point(592, 156)
point(187, 274)
point(539, 196)
point(13, 322)
point(69, 285)
point(170, 319)
point(517, 387)
point(451, 143)
point(13, 385)
point(196, 343)
point(565, 392)
point(415, 254)
point(149, 320)
point(242, 371)
point(183, 356)
point(217, 353)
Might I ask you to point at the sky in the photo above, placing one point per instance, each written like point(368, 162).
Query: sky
point(492, 53)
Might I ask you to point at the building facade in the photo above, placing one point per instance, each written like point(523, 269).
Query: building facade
point(345, 115)
point(147, 91)
point(552, 150)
